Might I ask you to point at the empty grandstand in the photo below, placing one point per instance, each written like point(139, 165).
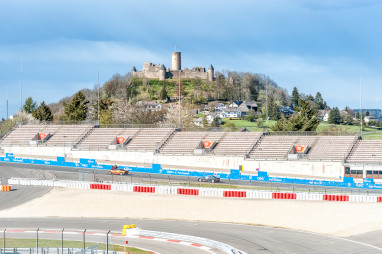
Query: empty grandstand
point(334, 148)
point(237, 143)
point(278, 147)
point(149, 138)
point(366, 151)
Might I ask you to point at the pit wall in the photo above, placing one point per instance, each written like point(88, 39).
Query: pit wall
point(325, 169)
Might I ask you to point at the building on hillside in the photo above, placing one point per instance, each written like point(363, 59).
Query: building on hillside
point(235, 104)
point(323, 115)
point(243, 109)
point(150, 105)
point(233, 112)
point(368, 119)
point(251, 105)
point(161, 72)
point(219, 106)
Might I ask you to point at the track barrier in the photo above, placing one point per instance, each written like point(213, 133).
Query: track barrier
point(278, 195)
point(197, 191)
point(6, 188)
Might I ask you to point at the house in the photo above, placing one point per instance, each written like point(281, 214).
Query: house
point(368, 119)
point(244, 110)
point(287, 111)
point(210, 117)
point(233, 112)
point(235, 104)
point(250, 105)
point(323, 115)
point(198, 121)
point(150, 105)
point(219, 106)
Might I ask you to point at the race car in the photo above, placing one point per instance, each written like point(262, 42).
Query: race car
point(117, 171)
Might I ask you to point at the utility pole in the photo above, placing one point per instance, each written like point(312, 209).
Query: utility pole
point(6, 94)
point(99, 120)
point(266, 102)
point(360, 99)
point(21, 92)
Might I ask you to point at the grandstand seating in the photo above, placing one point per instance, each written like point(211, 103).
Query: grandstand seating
point(237, 143)
point(100, 138)
point(185, 142)
point(21, 135)
point(332, 147)
point(66, 135)
point(277, 147)
point(366, 151)
point(147, 139)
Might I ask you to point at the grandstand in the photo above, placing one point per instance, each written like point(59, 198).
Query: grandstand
point(334, 148)
point(66, 135)
point(366, 151)
point(21, 135)
point(237, 143)
point(101, 138)
point(148, 139)
point(278, 147)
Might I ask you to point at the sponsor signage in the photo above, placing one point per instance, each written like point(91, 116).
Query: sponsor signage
point(42, 135)
point(300, 148)
point(121, 140)
point(207, 144)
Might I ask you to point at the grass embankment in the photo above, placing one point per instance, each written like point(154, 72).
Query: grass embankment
point(252, 126)
point(31, 243)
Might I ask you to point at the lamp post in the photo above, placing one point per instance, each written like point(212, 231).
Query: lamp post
point(83, 239)
point(4, 239)
point(266, 101)
point(62, 241)
point(37, 240)
point(107, 242)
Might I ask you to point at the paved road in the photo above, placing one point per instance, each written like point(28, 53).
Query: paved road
point(21, 194)
point(68, 173)
point(251, 239)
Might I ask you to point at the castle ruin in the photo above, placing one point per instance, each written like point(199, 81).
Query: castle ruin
point(154, 71)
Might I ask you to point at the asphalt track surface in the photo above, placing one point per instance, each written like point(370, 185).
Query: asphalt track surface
point(69, 173)
point(251, 239)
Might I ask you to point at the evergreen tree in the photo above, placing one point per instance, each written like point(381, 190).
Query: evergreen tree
point(358, 115)
point(163, 93)
point(30, 105)
point(215, 122)
point(273, 112)
point(43, 113)
point(304, 119)
point(367, 113)
point(334, 116)
point(77, 109)
point(319, 102)
point(295, 96)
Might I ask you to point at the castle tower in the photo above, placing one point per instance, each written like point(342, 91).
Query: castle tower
point(162, 72)
point(211, 73)
point(176, 61)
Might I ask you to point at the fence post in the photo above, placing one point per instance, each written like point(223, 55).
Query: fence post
point(107, 242)
point(4, 239)
point(83, 238)
point(37, 240)
point(62, 241)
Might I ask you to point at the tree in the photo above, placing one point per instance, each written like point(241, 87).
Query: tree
point(163, 93)
point(304, 119)
point(77, 109)
point(215, 122)
point(29, 105)
point(273, 112)
point(43, 113)
point(334, 116)
point(295, 96)
point(367, 113)
point(319, 102)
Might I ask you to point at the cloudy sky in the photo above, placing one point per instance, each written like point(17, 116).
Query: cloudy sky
point(315, 45)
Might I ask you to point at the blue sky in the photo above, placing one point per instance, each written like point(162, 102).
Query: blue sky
point(315, 45)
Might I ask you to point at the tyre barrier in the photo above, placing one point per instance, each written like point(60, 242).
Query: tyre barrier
point(279, 195)
point(98, 186)
point(144, 189)
point(193, 192)
point(6, 188)
point(335, 197)
point(235, 194)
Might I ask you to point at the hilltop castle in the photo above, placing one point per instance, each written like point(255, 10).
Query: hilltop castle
point(161, 72)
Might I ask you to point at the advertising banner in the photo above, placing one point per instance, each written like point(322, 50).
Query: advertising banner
point(207, 144)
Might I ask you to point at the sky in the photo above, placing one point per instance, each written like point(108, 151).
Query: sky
point(330, 46)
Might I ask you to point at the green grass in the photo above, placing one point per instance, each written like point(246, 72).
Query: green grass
point(31, 243)
point(252, 126)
